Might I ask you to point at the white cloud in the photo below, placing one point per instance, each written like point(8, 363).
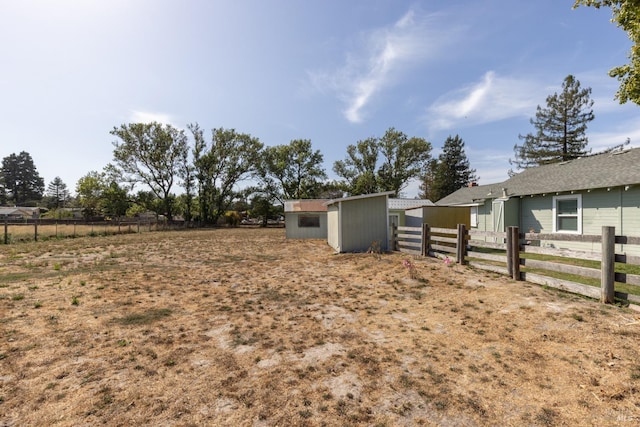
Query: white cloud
point(149, 116)
point(492, 99)
point(383, 55)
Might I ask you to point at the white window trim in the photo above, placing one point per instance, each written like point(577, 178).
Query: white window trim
point(474, 216)
point(577, 197)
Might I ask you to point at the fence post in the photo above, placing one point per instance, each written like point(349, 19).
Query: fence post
point(425, 239)
point(6, 231)
point(461, 247)
point(509, 252)
point(35, 230)
point(607, 282)
point(515, 252)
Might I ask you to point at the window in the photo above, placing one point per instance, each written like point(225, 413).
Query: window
point(474, 216)
point(307, 221)
point(567, 214)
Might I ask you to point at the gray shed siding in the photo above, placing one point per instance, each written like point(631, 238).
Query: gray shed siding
point(364, 221)
point(293, 231)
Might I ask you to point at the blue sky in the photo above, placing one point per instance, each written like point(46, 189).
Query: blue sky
point(331, 71)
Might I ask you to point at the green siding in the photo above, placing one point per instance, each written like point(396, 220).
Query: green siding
point(536, 214)
point(631, 212)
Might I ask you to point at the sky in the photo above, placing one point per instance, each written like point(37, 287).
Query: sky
point(332, 71)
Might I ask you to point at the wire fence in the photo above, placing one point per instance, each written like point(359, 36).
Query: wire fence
point(16, 231)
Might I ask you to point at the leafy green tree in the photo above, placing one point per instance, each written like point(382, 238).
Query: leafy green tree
point(20, 179)
point(114, 200)
point(186, 172)
point(358, 170)
point(57, 193)
point(402, 158)
point(150, 154)
point(293, 171)
point(452, 171)
point(626, 15)
point(89, 190)
point(560, 128)
point(229, 159)
point(427, 181)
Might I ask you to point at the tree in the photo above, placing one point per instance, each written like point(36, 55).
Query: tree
point(626, 14)
point(452, 171)
point(560, 128)
point(89, 190)
point(427, 182)
point(358, 170)
point(402, 158)
point(57, 193)
point(20, 179)
point(150, 154)
point(293, 171)
point(231, 158)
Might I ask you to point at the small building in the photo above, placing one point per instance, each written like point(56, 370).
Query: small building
point(358, 223)
point(398, 208)
point(577, 196)
point(17, 213)
point(305, 218)
point(438, 216)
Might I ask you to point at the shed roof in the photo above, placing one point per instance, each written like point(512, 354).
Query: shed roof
point(360, 196)
point(305, 205)
point(607, 170)
point(408, 203)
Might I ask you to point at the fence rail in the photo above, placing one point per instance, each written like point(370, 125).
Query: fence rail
point(508, 252)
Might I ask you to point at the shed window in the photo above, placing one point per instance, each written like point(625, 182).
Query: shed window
point(567, 214)
point(309, 221)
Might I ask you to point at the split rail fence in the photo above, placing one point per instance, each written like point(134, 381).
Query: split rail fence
point(510, 252)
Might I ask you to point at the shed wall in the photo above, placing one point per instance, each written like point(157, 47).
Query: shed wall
point(293, 231)
point(333, 227)
point(364, 221)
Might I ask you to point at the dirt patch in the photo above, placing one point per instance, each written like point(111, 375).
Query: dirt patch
point(244, 327)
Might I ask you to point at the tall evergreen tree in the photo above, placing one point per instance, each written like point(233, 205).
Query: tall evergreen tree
point(57, 193)
point(452, 171)
point(20, 179)
point(560, 128)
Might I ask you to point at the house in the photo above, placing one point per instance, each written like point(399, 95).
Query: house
point(578, 196)
point(355, 224)
point(17, 213)
point(305, 219)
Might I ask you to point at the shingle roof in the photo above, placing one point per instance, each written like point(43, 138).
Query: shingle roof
point(592, 172)
point(398, 204)
point(305, 205)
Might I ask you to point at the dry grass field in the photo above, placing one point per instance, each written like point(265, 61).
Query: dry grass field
point(236, 327)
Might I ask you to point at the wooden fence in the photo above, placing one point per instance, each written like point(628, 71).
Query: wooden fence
point(507, 252)
point(39, 229)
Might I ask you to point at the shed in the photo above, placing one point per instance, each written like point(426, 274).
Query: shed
point(355, 224)
point(305, 219)
point(438, 216)
point(398, 207)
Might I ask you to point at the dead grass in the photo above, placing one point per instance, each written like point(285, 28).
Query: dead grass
point(242, 327)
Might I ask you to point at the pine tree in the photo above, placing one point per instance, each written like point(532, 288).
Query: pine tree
point(452, 171)
point(20, 179)
point(560, 128)
point(57, 192)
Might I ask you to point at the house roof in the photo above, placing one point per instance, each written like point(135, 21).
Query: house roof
point(608, 170)
point(305, 205)
point(399, 204)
